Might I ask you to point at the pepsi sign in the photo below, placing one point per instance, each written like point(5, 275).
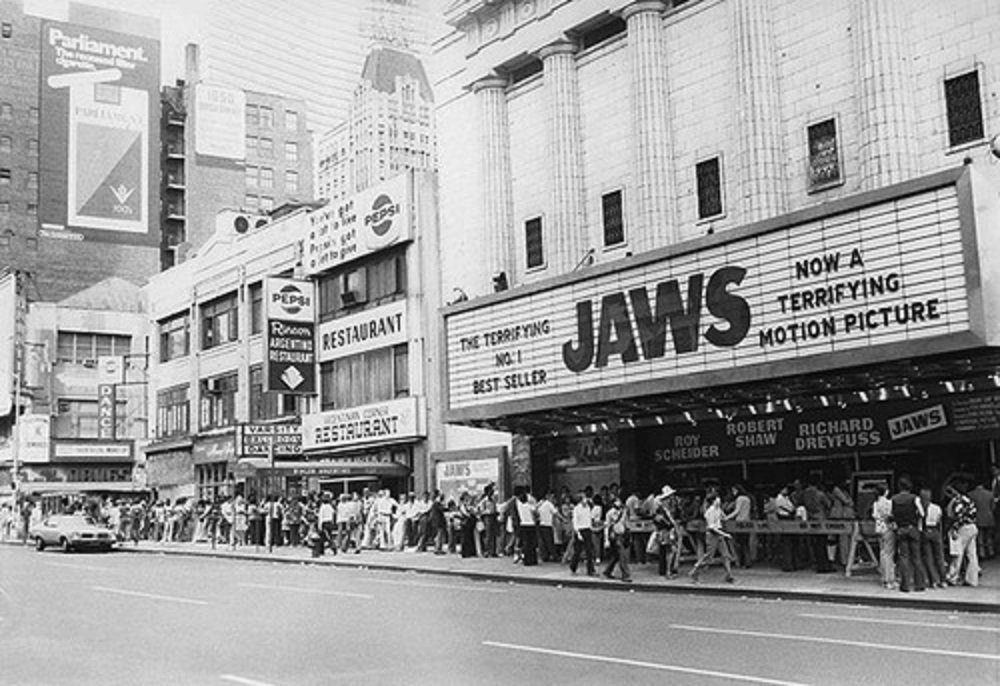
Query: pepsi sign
point(290, 300)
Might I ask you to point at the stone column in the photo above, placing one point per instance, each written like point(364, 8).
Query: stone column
point(498, 196)
point(564, 227)
point(652, 159)
point(760, 166)
point(885, 87)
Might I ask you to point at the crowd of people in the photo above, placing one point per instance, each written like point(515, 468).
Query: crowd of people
point(922, 544)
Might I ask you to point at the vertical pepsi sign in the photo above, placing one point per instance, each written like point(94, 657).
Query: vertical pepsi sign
point(290, 339)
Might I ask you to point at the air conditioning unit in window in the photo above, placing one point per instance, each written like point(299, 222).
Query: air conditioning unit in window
point(354, 288)
point(239, 222)
point(213, 386)
point(89, 363)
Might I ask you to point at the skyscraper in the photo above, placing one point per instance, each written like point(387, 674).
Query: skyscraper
point(306, 50)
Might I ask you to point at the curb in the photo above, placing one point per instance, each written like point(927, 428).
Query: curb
point(904, 601)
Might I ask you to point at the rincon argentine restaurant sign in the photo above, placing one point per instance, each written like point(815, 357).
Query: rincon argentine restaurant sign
point(877, 274)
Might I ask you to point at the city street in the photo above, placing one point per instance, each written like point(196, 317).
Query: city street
point(151, 619)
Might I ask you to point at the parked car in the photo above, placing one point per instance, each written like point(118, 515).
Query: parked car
point(71, 532)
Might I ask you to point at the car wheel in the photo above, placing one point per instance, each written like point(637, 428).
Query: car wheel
point(39, 543)
point(66, 547)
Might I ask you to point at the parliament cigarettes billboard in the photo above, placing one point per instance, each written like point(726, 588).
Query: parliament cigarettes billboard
point(837, 286)
point(99, 134)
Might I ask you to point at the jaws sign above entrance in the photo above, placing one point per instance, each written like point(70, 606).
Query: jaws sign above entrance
point(880, 274)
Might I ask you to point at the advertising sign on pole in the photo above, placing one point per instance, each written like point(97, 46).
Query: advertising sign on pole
point(110, 369)
point(8, 319)
point(98, 133)
point(33, 437)
point(290, 340)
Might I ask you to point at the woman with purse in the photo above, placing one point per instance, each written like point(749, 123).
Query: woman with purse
point(667, 534)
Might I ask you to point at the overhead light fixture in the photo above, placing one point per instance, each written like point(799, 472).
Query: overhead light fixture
point(949, 386)
point(787, 404)
point(688, 416)
point(863, 396)
point(824, 401)
point(883, 393)
point(719, 413)
point(752, 409)
point(905, 390)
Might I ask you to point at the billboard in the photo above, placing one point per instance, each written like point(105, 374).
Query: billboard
point(99, 133)
point(290, 338)
point(344, 230)
point(33, 437)
point(887, 273)
point(220, 123)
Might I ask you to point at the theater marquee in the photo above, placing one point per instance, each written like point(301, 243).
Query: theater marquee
point(855, 279)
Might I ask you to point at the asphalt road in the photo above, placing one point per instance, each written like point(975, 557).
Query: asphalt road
point(149, 619)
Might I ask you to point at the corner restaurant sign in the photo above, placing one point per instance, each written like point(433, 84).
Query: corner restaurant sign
point(365, 223)
point(386, 422)
point(869, 275)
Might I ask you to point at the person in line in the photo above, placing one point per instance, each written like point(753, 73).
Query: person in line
point(784, 509)
point(527, 517)
point(668, 533)
point(742, 512)
point(962, 536)
point(717, 541)
point(616, 532)
point(583, 543)
point(817, 505)
point(985, 522)
point(325, 518)
point(467, 525)
point(885, 530)
point(931, 545)
point(842, 509)
point(548, 515)
point(438, 523)
point(907, 514)
point(488, 515)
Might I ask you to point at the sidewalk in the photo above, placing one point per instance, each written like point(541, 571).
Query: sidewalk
point(760, 582)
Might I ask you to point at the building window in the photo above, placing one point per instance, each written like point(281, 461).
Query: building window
point(376, 281)
point(6, 111)
point(253, 116)
point(291, 182)
point(614, 225)
point(824, 156)
point(251, 145)
point(266, 203)
point(256, 307)
point(269, 404)
point(173, 412)
point(175, 337)
point(79, 419)
point(253, 177)
point(534, 249)
point(965, 109)
point(4, 177)
point(291, 151)
point(32, 115)
point(32, 147)
point(265, 147)
point(251, 202)
point(266, 177)
point(220, 321)
point(84, 348)
point(31, 209)
point(6, 145)
point(6, 29)
point(369, 377)
point(32, 181)
point(291, 120)
point(218, 401)
point(4, 207)
point(708, 179)
point(266, 117)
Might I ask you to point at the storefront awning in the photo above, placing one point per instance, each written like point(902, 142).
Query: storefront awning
point(248, 468)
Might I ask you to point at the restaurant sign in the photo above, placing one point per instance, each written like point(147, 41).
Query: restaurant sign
point(385, 422)
point(372, 329)
point(850, 281)
point(290, 340)
point(215, 449)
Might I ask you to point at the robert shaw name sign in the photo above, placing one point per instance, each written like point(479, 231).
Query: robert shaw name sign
point(881, 274)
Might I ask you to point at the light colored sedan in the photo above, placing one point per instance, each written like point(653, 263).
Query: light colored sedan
point(71, 532)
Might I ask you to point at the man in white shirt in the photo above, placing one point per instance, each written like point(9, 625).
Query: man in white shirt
point(547, 513)
point(584, 542)
point(716, 540)
point(882, 514)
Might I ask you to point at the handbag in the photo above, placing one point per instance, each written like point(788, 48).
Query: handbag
point(954, 545)
point(653, 544)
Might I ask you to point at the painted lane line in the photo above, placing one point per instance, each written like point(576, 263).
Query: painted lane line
point(150, 596)
point(318, 591)
point(901, 622)
point(448, 587)
point(645, 665)
point(836, 641)
point(243, 680)
point(70, 565)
